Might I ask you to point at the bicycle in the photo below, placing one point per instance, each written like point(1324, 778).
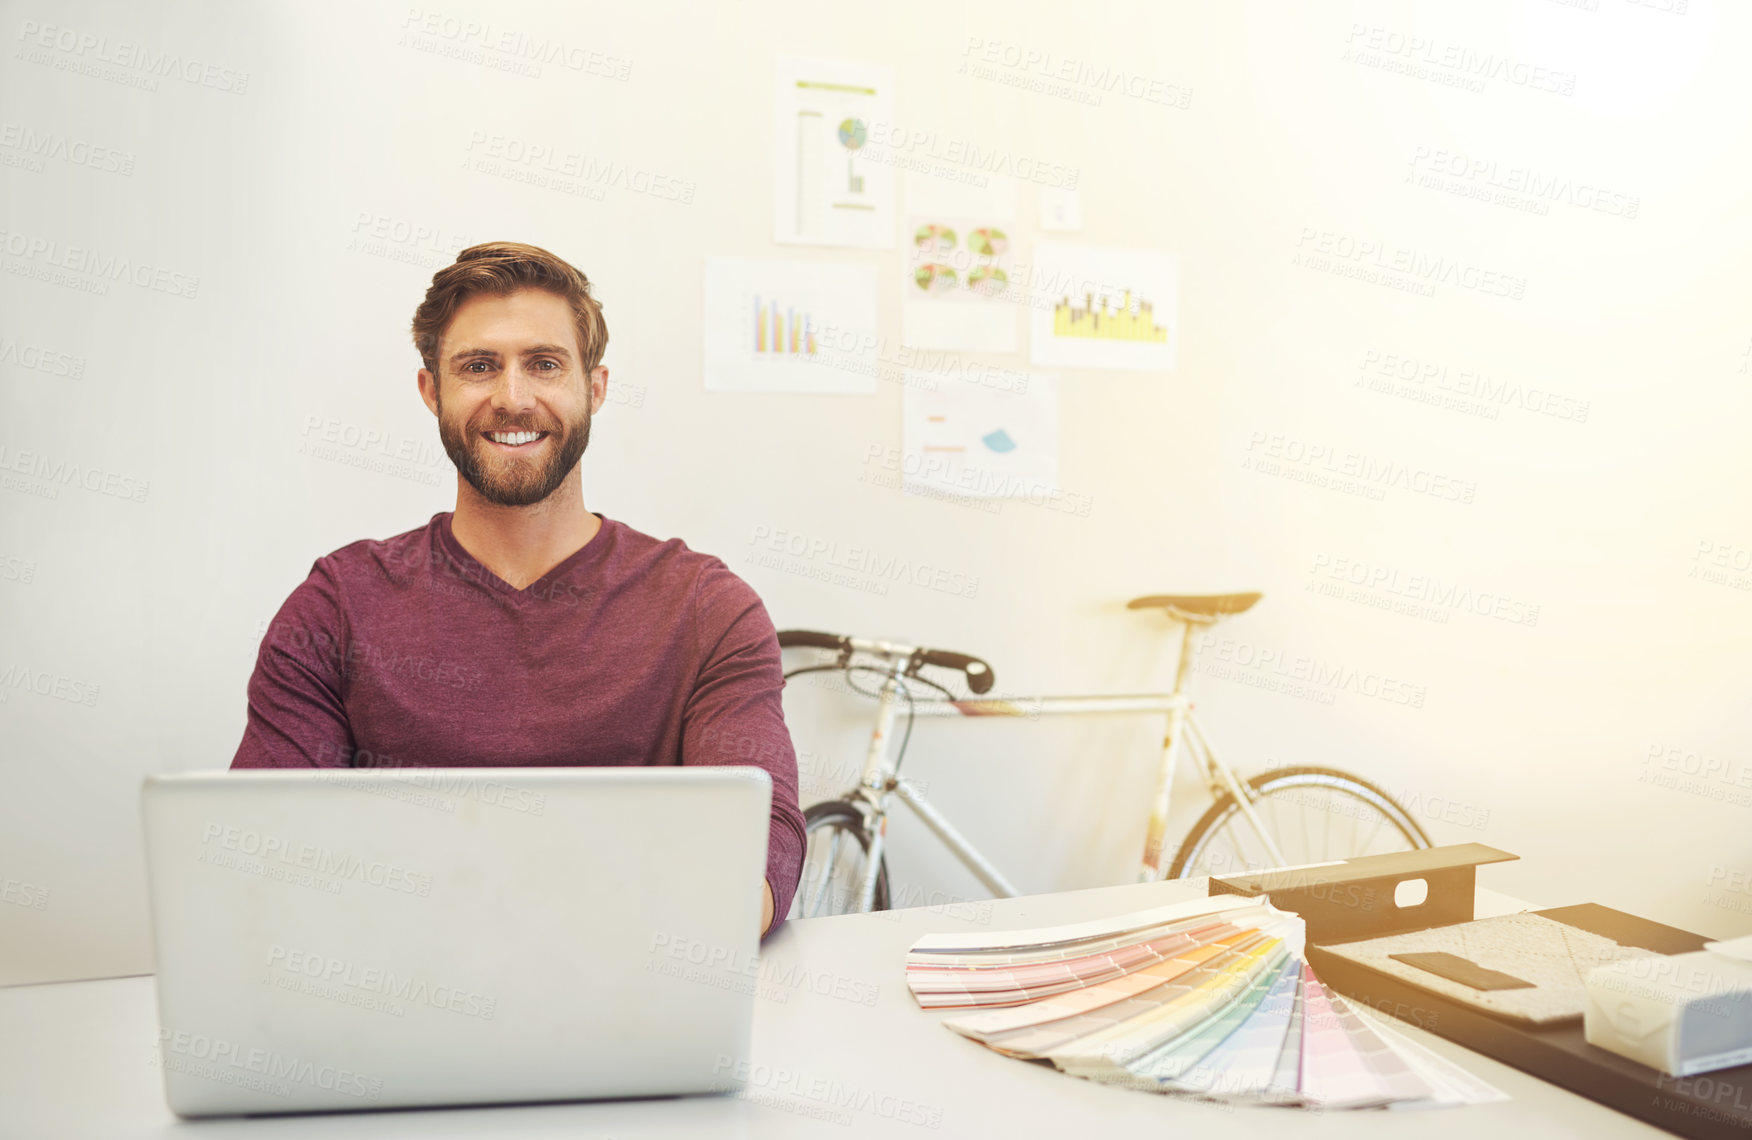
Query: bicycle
point(845, 868)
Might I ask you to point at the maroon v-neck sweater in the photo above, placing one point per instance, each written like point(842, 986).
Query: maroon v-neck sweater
point(407, 652)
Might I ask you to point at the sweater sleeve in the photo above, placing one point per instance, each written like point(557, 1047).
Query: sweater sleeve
point(296, 715)
point(734, 714)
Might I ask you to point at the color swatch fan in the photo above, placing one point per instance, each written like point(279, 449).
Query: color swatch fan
point(1209, 998)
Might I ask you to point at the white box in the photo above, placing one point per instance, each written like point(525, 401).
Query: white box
point(1681, 1013)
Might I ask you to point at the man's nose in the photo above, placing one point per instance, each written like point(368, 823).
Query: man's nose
point(516, 389)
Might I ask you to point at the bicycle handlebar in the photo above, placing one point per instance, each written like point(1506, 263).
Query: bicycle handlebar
point(979, 674)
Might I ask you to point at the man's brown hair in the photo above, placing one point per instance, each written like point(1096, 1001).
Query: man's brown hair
point(499, 268)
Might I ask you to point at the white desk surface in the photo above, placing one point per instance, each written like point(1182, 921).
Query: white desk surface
point(79, 1059)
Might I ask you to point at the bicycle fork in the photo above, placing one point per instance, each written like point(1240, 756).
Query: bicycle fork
point(874, 787)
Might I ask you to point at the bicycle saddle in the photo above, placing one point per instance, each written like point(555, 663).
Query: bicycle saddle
point(1203, 609)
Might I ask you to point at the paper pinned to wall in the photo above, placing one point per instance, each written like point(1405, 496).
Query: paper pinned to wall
point(1099, 307)
point(829, 185)
point(957, 290)
point(979, 440)
point(788, 326)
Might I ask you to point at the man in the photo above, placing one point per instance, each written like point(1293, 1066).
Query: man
point(521, 629)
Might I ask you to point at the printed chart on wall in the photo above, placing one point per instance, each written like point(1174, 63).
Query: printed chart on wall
point(980, 441)
point(1097, 307)
point(960, 253)
point(787, 326)
point(830, 185)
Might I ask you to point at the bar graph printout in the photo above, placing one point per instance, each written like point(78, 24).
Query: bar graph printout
point(1100, 307)
point(789, 326)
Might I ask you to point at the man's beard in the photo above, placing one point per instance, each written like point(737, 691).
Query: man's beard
point(511, 480)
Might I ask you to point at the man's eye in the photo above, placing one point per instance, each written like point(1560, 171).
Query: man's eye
point(547, 365)
point(470, 366)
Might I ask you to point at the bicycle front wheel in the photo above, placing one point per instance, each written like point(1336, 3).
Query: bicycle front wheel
point(1314, 815)
point(836, 852)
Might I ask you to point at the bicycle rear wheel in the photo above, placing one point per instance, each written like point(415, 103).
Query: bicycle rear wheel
point(1313, 814)
point(836, 852)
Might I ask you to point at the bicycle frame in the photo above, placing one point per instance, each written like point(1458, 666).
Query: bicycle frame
point(1183, 735)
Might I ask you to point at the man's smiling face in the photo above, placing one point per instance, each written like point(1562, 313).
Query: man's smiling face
point(513, 400)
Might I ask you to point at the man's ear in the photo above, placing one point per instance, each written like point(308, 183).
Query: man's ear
point(598, 388)
point(429, 390)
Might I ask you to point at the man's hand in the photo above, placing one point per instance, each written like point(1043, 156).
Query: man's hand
point(766, 907)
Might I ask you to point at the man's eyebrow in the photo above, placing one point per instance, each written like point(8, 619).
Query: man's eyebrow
point(492, 354)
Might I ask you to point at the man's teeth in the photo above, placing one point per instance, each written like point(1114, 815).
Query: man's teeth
point(513, 437)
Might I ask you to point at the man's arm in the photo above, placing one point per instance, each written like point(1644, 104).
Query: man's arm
point(734, 716)
point(296, 715)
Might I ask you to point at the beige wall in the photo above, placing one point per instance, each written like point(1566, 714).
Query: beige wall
point(1607, 743)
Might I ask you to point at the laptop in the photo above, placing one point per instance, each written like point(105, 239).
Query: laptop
point(342, 939)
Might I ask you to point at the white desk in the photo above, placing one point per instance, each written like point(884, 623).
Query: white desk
point(79, 1059)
